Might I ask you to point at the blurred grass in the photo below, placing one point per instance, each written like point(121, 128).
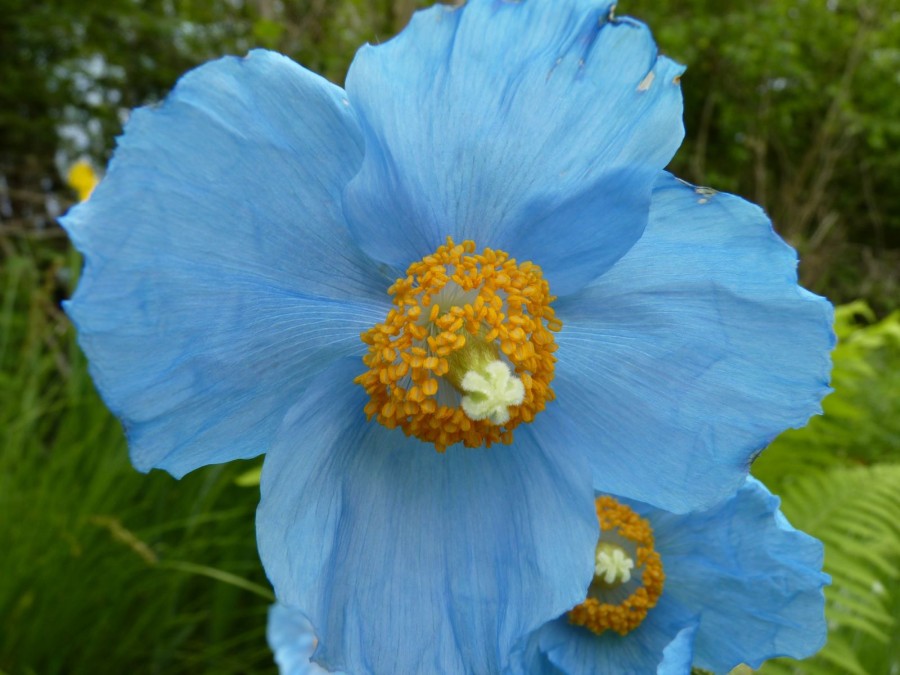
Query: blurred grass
point(106, 570)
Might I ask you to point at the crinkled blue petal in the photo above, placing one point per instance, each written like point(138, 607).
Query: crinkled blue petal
point(690, 355)
point(410, 561)
point(219, 272)
point(755, 581)
point(536, 127)
point(661, 644)
point(293, 641)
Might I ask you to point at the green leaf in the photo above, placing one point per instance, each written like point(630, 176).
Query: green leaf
point(249, 478)
point(855, 511)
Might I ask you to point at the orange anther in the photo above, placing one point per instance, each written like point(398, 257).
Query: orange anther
point(623, 617)
point(407, 353)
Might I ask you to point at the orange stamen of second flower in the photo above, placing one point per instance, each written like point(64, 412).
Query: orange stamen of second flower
point(624, 616)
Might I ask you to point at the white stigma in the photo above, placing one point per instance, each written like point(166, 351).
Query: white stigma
point(612, 565)
point(490, 392)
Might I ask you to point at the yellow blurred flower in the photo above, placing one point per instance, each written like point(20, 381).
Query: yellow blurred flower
point(82, 178)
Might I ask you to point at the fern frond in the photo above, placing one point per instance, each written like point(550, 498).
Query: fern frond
point(855, 511)
point(837, 658)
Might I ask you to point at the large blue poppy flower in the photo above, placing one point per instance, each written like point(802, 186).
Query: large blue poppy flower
point(741, 586)
point(248, 230)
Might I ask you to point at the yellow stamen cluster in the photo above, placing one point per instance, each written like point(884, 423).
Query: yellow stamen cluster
point(496, 306)
point(627, 615)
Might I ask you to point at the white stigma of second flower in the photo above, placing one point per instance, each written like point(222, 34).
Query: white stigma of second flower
point(490, 392)
point(611, 564)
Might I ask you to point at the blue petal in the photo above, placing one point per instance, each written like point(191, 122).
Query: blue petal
point(661, 644)
point(690, 355)
point(409, 561)
point(219, 272)
point(291, 638)
point(537, 127)
point(754, 579)
point(678, 656)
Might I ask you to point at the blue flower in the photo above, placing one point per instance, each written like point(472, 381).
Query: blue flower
point(741, 586)
point(489, 160)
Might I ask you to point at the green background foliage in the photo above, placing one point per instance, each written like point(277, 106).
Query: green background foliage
point(839, 478)
point(792, 103)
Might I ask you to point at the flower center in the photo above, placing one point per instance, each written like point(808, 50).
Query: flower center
point(466, 354)
point(612, 564)
point(628, 573)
